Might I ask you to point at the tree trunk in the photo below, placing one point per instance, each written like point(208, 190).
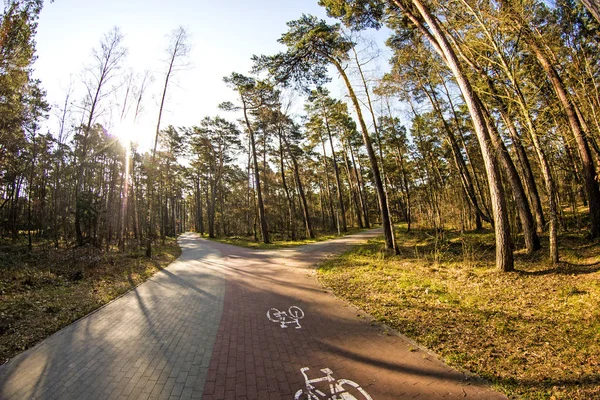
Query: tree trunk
point(353, 191)
point(589, 172)
point(332, 219)
point(504, 255)
point(305, 214)
point(461, 166)
point(361, 188)
point(261, 206)
point(337, 178)
point(532, 241)
point(385, 216)
point(290, 205)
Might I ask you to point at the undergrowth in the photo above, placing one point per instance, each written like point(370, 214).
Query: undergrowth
point(45, 290)
point(534, 333)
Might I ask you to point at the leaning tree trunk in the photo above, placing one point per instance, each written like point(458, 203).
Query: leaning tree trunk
point(383, 204)
point(461, 166)
point(469, 159)
point(521, 154)
point(589, 172)
point(504, 255)
point(375, 127)
point(532, 241)
point(548, 179)
point(528, 177)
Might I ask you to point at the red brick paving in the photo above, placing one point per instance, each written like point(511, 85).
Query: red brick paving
point(254, 358)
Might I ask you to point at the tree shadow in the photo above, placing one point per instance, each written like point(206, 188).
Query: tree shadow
point(565, 268)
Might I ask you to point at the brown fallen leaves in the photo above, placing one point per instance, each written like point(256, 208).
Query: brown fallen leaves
point(44, 290)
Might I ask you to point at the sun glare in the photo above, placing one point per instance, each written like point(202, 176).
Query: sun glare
point(129, 133)
point(125, 132)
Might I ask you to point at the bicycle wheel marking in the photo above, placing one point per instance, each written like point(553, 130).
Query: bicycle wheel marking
point(339, 389)
point(293, 316)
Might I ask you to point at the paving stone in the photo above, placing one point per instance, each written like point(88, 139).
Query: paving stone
point(180, 305)
point(199, 330)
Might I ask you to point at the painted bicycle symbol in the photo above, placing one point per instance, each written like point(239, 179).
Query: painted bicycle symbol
point(292, 316)
point(339, 389)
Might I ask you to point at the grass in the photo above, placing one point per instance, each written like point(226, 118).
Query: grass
point(534, 333)
point(45, 290)
point(277, 242)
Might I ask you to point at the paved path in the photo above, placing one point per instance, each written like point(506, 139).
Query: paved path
point(199, 329)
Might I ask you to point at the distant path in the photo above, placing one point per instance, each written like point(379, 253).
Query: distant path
point(201, 329)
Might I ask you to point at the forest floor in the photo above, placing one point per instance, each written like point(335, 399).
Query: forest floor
point(534, 333)
point(44, 290)
point(278, 242)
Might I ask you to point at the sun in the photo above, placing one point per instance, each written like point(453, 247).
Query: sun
point(129, 133)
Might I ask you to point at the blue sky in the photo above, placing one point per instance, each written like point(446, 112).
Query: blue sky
point(223, 36)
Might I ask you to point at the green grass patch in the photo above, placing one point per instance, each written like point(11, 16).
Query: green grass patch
point(278, 242)
point(45, 290)
point(534, 333)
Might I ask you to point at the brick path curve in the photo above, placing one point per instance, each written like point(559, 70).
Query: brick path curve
point(199, 329)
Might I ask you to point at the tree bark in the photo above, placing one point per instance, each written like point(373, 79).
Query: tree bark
point(532, 241)
point(353, 191)
point(588, 168)
point(264, 230)
point(504, 255)
point(290, 205)
point(385, 216)
point(305, 213)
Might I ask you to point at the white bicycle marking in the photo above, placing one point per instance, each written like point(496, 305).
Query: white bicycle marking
point(336, 388)
point(292, 316)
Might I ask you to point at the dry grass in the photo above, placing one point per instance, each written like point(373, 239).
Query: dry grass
point(45, 290)
point(534, 333)
point(278, 242)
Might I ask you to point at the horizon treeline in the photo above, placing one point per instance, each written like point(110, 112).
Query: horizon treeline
point(487, 118)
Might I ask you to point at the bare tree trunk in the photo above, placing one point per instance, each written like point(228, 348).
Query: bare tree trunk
point(178, 49)
point(199, 211)
point(404, 180)
point(527, 173)
point(548, 180)
point(463, 172)
point(375, 127)
point(290, 203)
point(469, 160)
point(532, 241)
point(332, 219)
